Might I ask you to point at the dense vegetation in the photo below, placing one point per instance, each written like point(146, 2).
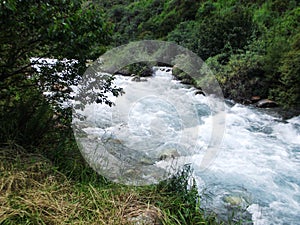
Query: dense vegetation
point(252, 47)
point(43, 177)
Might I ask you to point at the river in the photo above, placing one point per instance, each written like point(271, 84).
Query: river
point(255, 173)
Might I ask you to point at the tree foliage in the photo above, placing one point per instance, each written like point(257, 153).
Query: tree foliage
point(287, 92)
point(250, 41)
point(54, 29)
point(251, 46)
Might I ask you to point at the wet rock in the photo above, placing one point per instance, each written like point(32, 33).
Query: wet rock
point(146, 72)
point(233, 201)
point(236, 209)
point(138, 79)
point(199, 92)
point(145, 217)
point(171, 153)
point(124, 72)
point(141, 69)
point(266, 103)
point(135, 78)
point(161, 64)
point(168, 70)
point(246, 101)
point(61, 88)
point(255, 99)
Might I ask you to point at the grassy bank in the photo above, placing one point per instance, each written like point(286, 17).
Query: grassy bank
point(35, 189)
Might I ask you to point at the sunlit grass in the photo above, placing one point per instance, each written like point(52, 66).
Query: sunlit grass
point(34, 191)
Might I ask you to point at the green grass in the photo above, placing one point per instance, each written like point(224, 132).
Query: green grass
point(54, 185)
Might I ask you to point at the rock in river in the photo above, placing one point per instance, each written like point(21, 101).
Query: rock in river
point(266, 103)
point(138, 78)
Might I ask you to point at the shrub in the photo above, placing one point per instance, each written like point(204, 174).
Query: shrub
point(287, 92)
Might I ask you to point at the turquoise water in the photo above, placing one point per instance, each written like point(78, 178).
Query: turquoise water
point(255, 173)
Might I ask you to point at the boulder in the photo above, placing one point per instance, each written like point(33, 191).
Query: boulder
point(135, 78)
point(146, 72)
point(143, 70)
point(199, 92)
point(233, 200)
point(148, 216)
point(246, 101)
point(138, 78)
point(266, 103)
point(255, 99)
point(161, 64)
point(61, 88)
point(124, 72)
point(169, 154)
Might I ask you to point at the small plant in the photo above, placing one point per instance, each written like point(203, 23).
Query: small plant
point(183, 199)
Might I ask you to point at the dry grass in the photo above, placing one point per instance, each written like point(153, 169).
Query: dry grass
point(33, 192)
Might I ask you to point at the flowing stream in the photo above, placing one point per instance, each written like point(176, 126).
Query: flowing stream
point(256, 173)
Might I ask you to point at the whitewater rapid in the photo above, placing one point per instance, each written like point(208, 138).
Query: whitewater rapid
point(260, 162)
point(256, 170)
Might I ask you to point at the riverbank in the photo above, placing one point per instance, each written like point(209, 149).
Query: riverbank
point(38, 189)
point(275, 109)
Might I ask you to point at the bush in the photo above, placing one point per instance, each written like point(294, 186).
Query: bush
point(25, 118)
point(216, 31)
point(242, 77)
point(287, 92)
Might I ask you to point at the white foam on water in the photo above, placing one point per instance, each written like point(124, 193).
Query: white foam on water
point(259, 159)
point(257, 154)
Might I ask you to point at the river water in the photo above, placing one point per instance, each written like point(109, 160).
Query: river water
point(255, 173)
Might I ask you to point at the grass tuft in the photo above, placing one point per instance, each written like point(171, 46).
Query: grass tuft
point(32, 191)
point(62, 189)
